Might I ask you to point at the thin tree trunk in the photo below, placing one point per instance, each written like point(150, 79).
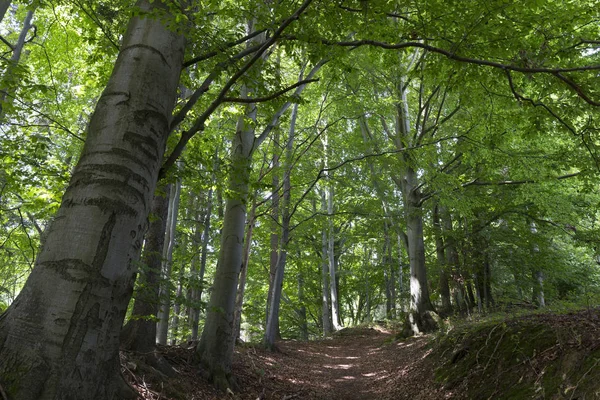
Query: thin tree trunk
point(452, 260)
point(275, 229)
point(60, 337)
point(325, 315)
point(537, 274)
point(446, 308)
point(273, 316)
point(197, 292)
point(335, 317)
point(177, 304)
point(139, 334)
point(239, 300)
point(8, 80)
point(165, 288)
point(302, 309)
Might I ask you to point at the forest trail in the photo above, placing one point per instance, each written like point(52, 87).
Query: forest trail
point(364, 363)
point(545, 355)
point(356, 363)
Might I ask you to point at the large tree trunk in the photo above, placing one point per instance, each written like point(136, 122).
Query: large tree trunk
point(60, 338)
point(420, 305)
point(215, 349)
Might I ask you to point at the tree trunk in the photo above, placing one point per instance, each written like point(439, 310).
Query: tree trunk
point(452, 261)
point(239, 300)
point(302, 310)
point(165, 288)
point(275, 229)
point(8, 80)
point(272, 328)
point(215, 349)
point(60, 338)
point(537, 274)
point(139, 334)
point(197, 293)
point(177, 304)
point(446, 308)
point(420, 305)
point(335, 311)
point(324, 273)
point(4, 5)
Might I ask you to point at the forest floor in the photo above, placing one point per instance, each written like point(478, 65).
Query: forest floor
point(535, 356)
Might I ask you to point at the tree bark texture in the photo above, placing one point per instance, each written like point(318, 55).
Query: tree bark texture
point(239, 300)
point(60, 338)
point(139, 334)
point(272, 329)
point(164, 310)
point(325, 315)
point(215, 348)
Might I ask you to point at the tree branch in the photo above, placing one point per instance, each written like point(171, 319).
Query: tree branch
point(229, 45)
point(269, 97)
point(199, 123)
point(452, 56)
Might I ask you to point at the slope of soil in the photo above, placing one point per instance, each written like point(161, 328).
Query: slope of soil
point(537, 356)
point(543, 356)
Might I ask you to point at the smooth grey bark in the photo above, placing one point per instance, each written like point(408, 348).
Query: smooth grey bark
point(239, 300)
point(335, 310)
point(60, 338)
point(275, 229)
point(420, 304)
point(279, 249)
point(139, 334)
point(453, 262)
point(204, 239)
point(277, 284)
point(325, 315)
point(215, 349)
point(164, 309)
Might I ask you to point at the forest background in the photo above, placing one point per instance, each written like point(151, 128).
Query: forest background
point(325, 164)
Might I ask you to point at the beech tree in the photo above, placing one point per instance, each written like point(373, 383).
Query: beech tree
point(60, 337)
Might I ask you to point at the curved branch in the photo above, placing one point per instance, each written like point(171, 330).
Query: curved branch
point(199, 123)
point(269, 97)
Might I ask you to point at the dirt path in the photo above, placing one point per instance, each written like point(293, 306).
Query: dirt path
point(357, 363)
point(363, 364)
